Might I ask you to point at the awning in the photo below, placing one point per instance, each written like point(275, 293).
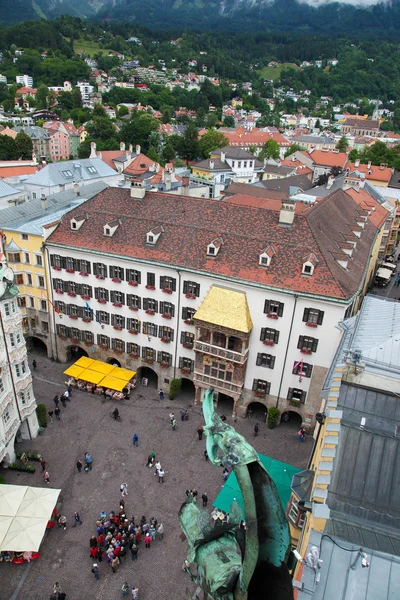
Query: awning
point(74, 371)
point(84, 361)
point(384, 273)
point(24, 514)
point(281, 474)
point(113, 383)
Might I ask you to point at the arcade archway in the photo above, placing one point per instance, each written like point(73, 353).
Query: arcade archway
point(147, 374)
point(36, 345)
point(75, 352)
point(291, 419)
point(113, 361)
point(257, 411)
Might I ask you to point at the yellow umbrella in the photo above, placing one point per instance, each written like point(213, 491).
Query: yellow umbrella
point(74, 371)
point(92, 376)
point(84, 362)
point(113, 383)
point(125, 374)
point(101, 367)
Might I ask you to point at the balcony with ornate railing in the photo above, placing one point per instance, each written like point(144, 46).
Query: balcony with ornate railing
point(217, 351)
point(218, 384)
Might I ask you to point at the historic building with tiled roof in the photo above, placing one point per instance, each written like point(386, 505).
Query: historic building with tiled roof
point(135, 277)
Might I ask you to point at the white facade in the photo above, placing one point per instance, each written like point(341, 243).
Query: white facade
point(17, 400)
point(290, 325)
point(85, 88)
point(25, 80)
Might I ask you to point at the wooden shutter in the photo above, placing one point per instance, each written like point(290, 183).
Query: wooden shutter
point(320, 317)
point(162, 282)
point(259, 359)
point(314, 345)
point(180, 362)
point(300, 342)
point(112, 319)
point(145, 303)
point(309, 370)
point(272, 362)
point(197, 293)
point(173, 285)
point(162, 307)
point(303, 397)
point(268, 388)
point(97, 316)
point(262, 335)
point(183, 338)
point(185, 287)
point(172, 310)
point(266, 307)
point(172, 335)
point(276, 337)
point(191, 365)
point(160, 332)
point(280, 309)
point(306, 315)
point(96, 293)
point(255, 385)
point(95, 269)
point(290, 394)
point(159, 357)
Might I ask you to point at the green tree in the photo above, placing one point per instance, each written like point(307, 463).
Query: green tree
point(342, 144)
point(211, 120)
point(41, 96)
point(270, 149)
point(292, 149)
point(153, 154)
point(396, 119)
point(138, 129)
point(168, 153)
point(23, 146)
point(228, 121)
point(7, 148)
point(122, 111)
point(189, 143)
point(212, 140)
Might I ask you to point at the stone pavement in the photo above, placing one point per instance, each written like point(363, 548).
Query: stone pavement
point(87, 426)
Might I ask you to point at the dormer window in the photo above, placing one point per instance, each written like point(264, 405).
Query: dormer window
point(214, 247)
point(111, 228)
point(77, 222)
point(73, 224)
point(309, 264)
point(266, 256)
point(153, 235)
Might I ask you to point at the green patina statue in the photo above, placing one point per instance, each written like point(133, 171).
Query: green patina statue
point(233, 563)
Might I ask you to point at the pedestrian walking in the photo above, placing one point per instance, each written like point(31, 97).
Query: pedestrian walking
point(153, 533)
point(62, 521)
point(147, 540)
point(225, 474)
point(125, 589)
point(56, 400)
point(256, 429)
point(173, 424)
point(301, 435)
point(161, 474)
point(77, 519)
point(43, 464)
point(79, 465)
point(63, 401)
point(158, 467)
point(134, 552)
point(171, 417)
point(182, 413)
point(34, 364)
point(161, 395)
point(57, 588)
point(135, 440)
point(95, 570)
point(135, 593)
point(69, 390)
point(195, 494)
point(57, 412)
point(124, 489)
point(89, 461)
point(200, 432)
point(114, 564)
point(160, 531)
point(204, 497)
point(205, 454)
point(51, 413)
point(46, 476)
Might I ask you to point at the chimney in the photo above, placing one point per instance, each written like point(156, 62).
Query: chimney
point(185, 186)
point(223, 157)
point(138, 190)
point(330, 181)
point(157, 167)
point(122, 147)
point(168, 182)
point(357, 163)
point(93, 150)
point(130, 149)
point(77, 188)
point(286, 214)
point(43, 202)
point(211, 164)
point(369, 165)
point(137, 149)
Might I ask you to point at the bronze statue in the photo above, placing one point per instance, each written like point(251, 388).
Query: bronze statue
point(234, 563)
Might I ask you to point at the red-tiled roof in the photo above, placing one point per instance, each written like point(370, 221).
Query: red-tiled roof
point(329, 159)
point(16, 171)
point(372, 172)
point(378, 214)
point(109, 155)
point(191, 224)
point(255, 137)
point(266, 203)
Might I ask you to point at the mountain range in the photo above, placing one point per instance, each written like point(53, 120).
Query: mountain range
point(356, 17)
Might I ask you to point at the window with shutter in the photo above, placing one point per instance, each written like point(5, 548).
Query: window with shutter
point(151, 279)
point(261, 387)
point(304, 370)
point(313, 316)
point(273, 308)
point(133, 275)
point(297, 395)
point(265, 360)
point(134, 301)
point(192, 288)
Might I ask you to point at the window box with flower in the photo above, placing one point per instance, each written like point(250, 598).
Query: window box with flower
point(311, 324)
point(149, 361)
point(117, 304)
point(269, 343)
point(118, 327)
point(75, 341)
point(84, 273)
point(56, 268)
point(88, 343)
point(306, 351)
point(166, 316)
point(167, 291)
point(85, 297)
point(133, 355)
point(259, 394)
point(164, 365)
point(58, 291)
point(150, 312)
point(165, 339)
point(190, 296)
point(189, 321)
point(150, 287)
point(118, 350)
point(133, 331)
point(72, 294)
point(185, 371)
point(116, 280)
point(133, 283)
point(295, 403)
point(188, 346)
point(86, 319)
point(101, 301)
point(74, 317)
point(104, 346)
point(69, 271)
point(133, 308)
point(100, 277)
point(62, 336)
point(272, 316)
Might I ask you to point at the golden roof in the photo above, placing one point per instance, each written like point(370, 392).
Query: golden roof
point(225, 308)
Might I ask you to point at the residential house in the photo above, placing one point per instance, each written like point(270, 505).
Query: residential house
point(25, 80)
point(69, 141)
point(348, 518)
point(255, 138)
point(10, 195)
point(379, 176)
point(40, 140)
point(178, 285)
point(325, 160)
point(314, 142)
point(360, 126)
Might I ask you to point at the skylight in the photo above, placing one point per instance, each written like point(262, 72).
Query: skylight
point(67, 173)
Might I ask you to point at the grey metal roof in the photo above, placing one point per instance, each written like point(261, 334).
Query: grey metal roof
point(342, 577)
point(365, 481)
point(313, 139)
point(286, 183)
point(35, 132)
point(366, 537)
point(70, 170)
point(30, 217)
point(7, 190)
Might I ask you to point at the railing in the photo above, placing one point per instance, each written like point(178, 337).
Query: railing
point(217, 383)
point(238, 357)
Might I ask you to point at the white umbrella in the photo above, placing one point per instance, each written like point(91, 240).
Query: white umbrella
point(10, 499)
point(38, 502)
point(24, 534)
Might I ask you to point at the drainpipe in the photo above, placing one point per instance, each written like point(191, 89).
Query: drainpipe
point(287, 349)
point(177, 320)
point(53, 312)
